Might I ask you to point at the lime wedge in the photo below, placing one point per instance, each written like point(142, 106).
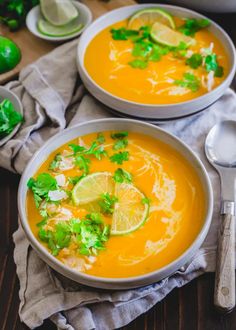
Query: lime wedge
point(90, 188)
point(130, 211)
point(58, 31)
point(166, 36)
point(10, 55)
point(58, 12)
point(147, 17)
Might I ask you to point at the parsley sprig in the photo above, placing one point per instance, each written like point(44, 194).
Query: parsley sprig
point(90, 234)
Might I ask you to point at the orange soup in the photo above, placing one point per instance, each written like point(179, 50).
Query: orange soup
point(116, 204)
point(139, 69)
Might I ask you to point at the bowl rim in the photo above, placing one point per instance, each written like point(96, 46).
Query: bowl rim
point(81, 66)
point(52, 261)
point(12, 96)
point(79, 6)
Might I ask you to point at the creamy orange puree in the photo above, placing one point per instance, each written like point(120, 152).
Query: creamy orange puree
point(176, 213)
point(106, 60)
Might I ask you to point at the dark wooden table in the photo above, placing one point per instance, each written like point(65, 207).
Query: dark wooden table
point(187, 308)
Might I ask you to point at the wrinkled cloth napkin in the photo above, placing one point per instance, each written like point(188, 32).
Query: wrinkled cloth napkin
point(53, 98)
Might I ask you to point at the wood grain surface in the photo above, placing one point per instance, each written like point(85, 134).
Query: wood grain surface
point(33, 48)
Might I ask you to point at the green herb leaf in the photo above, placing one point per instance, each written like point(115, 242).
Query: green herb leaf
point(100, 138)
point(75, 179)
point(192, 25)
point(9, 118)
point(41, 186)
point(107, 202)
point(120, 144)
point(120, 157)
point(77, 148)
point(195, 61)
point(139, 64)
point(55, 163)
point(211, 64)
point(83, 163)
point(122, 175)
point(123, 34)
point(189, 81)
point(142, 48)
point(119, 135)
point(146, 200)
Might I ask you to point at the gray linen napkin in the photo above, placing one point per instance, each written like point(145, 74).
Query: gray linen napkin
point(53, 98)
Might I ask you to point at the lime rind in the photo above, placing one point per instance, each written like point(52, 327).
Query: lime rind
point(163, 13)
point(50, 30)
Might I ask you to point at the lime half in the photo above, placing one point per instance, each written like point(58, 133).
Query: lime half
point(10, 54)
point(130, 211)
point(58, 12)
point(90, 188)
point(147, 17)
point(169, 37)
point(58, 31)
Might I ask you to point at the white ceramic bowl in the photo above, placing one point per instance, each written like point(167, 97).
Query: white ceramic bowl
point(147, 111)
point(6, 94)
point(85, 17)
point(99, 126)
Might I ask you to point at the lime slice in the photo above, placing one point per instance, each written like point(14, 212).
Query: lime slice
point(90, 188)
point(147, 17)
point(130, 211)
point(58, 31)
point(58, 12)
point(10, 54)
point(166, 36)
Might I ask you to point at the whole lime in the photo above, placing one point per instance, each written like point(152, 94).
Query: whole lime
point(10, 54)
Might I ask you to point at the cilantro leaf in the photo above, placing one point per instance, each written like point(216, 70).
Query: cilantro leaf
point(77, 148)
point(211, 64)
point(195, 61)
point(83, 163)
point(189, 81)
point(120, 144)
point(142, 48)
point(107, 202)
point(123, 33)
point(100, 138)
point(75, 179)
point(9, 118)
point(95, 150)
point(55, 163)
point(120, 157)
point(122, 175)
point(41, 186)
point(139, 64)
point(119, 135)
point(192, 25)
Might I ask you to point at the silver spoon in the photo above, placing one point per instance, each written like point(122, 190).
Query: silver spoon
point(220, 149)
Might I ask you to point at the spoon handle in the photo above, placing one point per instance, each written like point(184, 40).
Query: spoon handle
point(224, 295)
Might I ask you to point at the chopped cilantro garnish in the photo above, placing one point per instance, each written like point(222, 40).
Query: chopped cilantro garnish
point(122, 175)
point(9, 118)
point(138, 64)
point(89, 234)
point(194, 61)
point(142, 48)
point(123, 34)
point(77, 148)
point(192, 25)
point(41, 186)
point(100, 138)
point(189, 81)
point(181, 50)
point(55, 163)
point(211, 64)
point(95, 150)
point(119, 135)
point(120, 157)
point(83, 163)
point(120, 144)
point(107, 203)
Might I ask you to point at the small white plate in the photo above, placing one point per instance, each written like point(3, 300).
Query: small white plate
point(85, 17)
